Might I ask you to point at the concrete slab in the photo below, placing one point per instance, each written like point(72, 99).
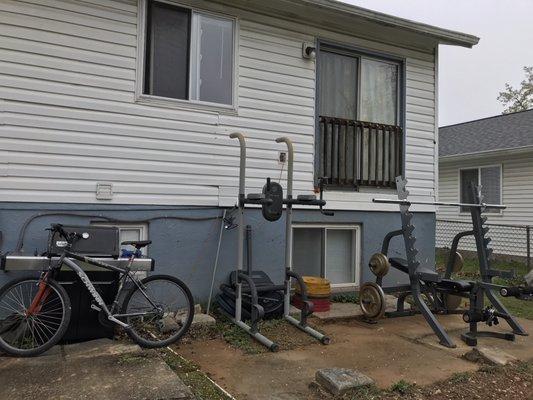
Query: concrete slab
point(388, 351)
point(338, 381)
point(340, 311)
point(521, 348)
point(492, 355)
point(99, 370)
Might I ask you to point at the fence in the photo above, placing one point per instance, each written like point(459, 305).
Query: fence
point(513, 241)
point(355, 153)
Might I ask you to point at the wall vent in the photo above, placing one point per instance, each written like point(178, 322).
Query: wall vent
point(104, 191)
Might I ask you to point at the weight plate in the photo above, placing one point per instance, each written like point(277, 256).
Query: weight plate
point(458, 262)
point(379, 264)
point(372, 301)
point(452, 302)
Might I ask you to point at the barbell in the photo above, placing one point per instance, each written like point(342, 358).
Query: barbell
point(439, 203)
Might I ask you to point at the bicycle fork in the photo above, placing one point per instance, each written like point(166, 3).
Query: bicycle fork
point(39, 299)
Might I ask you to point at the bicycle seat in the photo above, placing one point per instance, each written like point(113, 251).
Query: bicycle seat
point(138, 244)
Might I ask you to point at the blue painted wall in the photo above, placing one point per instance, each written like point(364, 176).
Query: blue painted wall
point(187, 248)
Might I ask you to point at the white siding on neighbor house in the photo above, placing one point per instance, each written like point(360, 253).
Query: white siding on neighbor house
point(70, 117)
point(517, 195)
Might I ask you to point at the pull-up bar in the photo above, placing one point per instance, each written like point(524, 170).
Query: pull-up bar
point(439, 203)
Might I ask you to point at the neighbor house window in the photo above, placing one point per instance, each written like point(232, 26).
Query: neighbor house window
point(331, 252)
point(357, 87)
point(189, 54)
point(491, 183)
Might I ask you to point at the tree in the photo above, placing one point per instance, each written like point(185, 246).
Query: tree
point(518, 99)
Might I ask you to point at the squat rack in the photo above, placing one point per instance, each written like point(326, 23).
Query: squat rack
point(479, 290)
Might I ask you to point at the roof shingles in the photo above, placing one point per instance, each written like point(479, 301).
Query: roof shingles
point(502, 132)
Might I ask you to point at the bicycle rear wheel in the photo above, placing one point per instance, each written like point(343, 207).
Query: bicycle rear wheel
point(159, 314)
point(27, 334)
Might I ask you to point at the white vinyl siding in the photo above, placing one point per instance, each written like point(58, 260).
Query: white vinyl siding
point(70, 118)
point(516, 194)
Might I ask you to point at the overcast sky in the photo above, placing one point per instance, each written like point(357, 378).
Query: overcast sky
point(470, 79)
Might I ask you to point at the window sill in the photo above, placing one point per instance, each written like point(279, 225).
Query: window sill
point(188, 105)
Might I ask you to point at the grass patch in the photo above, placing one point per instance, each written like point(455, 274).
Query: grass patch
point(403, 387)
point(133, 359)
point(345, 298)
point(369, 392)
point(460, 377)
point(278, 330)
point(201, 386)
point(519, 308)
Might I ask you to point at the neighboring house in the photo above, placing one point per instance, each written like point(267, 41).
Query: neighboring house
point(122, 109)
point(496, 153)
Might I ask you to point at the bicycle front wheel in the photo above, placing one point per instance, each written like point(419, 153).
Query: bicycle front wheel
point(160, 312)
point(33, 318)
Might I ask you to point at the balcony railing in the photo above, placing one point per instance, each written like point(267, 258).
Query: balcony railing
point(355, 153)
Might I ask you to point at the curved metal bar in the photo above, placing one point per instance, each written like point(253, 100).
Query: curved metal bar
point(259, 312)
point(242, 169)
point(290, 163)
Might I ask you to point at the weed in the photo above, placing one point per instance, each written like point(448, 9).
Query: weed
point(402, 387)
point(133, 359)
point(345, 298)
point(190, 374)
point(369, 392)
point(460, 377)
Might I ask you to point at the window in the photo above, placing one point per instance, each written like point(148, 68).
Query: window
point(330, 252)
point(189, 54)
point(129, 232)
point(490, 180)
point(356, 87)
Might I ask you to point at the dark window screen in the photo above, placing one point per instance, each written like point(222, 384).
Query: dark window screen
point(167, 51)
point(490, 186)
point(468, 176)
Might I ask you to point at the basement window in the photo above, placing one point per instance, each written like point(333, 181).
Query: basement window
point(331, 252)
point(189, 55)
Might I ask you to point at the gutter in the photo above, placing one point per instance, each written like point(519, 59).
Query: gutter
point(444, 36)
point(486, 153)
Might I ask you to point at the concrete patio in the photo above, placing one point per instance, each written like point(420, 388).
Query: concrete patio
point(95, 370)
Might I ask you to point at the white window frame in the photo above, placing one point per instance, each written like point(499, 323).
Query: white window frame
point(356, 243)
point(499, 212)
point(141, 97)
point(360, 54)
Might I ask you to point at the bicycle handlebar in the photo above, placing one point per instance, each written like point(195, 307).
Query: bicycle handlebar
point(69, 237)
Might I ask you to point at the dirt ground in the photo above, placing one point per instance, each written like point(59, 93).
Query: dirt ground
point(401, 352)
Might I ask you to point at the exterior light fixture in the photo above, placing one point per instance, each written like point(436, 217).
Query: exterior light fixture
point(308, 51)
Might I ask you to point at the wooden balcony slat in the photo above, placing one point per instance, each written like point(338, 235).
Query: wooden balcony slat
point(358, 153)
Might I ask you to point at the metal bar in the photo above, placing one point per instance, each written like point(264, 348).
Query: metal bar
point(528, 246)
point(439, 203)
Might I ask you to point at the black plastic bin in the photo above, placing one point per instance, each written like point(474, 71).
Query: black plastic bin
point(84, 323)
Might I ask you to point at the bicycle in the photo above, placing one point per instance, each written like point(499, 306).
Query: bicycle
point(35, 312)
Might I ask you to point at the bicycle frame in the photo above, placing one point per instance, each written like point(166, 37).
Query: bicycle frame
point(125, 273)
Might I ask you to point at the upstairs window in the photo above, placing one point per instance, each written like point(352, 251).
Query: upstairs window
point(490, 180)
point(189, 54)
point(356, 87)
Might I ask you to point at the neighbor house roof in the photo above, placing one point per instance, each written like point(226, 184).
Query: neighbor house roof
point(502, 132)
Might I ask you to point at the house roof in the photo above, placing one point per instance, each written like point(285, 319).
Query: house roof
point(444, 36)
point(501, 132)
point(349, 19)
